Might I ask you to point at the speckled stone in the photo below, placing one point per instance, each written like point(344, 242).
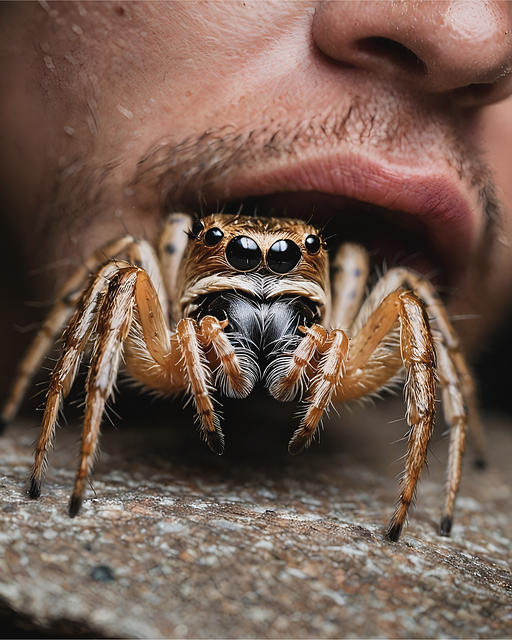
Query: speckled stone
point(176, 542)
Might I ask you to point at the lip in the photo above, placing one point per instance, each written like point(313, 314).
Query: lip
point(436, 197)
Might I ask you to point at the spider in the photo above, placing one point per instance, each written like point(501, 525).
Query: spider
point(237, 301)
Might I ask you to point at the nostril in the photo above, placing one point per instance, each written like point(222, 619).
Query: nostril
point(395, 52)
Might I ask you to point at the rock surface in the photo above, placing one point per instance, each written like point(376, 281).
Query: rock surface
point(177, 542)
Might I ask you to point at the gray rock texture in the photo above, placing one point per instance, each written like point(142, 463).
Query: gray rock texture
point(174, 541)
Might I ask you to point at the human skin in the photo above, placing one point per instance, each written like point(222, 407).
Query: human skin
point(113, 113)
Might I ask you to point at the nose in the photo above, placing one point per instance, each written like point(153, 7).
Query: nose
point(458, 47)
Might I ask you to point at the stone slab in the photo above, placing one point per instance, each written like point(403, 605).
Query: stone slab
point(177, 542)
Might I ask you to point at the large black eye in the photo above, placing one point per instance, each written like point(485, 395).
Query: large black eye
point(213, 236)
point(197, 227)
point(312, 244)
point(243, 253)
point(283, 256)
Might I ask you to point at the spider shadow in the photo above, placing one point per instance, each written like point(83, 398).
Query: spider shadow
point(160, 439)
point(162, 435)
point(153, 445)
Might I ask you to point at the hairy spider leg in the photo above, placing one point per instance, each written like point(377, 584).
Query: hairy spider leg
point(419, 357)
point(350, 270)
point(440, 319)
point(53, 325)
point(364, 377)
point(172, 244)
point(456, 418)
point(75, 339)
point(114, 318)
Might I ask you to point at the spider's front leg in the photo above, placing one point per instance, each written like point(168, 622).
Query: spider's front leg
point(375, 359)
point(187, 359)
point(419, 358)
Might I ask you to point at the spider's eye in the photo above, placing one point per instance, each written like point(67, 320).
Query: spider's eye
point(283, 256)
point(243, 253)
point(213, 236)
point(197, 227)
point(313, 244)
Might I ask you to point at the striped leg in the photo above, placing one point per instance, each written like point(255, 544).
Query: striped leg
point(75, 339)
point(375, 358)
point(419, 357)
point(114, 320)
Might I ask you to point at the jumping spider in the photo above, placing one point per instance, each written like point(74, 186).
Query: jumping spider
point(241, 301)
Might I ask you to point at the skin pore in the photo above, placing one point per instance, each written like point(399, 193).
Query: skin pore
point(113, 113)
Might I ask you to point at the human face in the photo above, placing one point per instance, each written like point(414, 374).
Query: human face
point(391, 120)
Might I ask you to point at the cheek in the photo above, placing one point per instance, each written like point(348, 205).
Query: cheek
point(497, 139)
point(489, 300)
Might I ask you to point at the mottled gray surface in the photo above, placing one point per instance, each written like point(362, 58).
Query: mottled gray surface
point(178, 542)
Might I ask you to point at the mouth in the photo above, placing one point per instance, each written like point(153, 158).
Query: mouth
point(392, 238)
point(402, 215)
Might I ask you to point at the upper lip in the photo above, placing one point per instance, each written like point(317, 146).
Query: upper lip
point(446, 206)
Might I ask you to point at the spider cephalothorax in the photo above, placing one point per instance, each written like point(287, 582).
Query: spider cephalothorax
point(235, 301)
point(266, 278)
point(259, 256)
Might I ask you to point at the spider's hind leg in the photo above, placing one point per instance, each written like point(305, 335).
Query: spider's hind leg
point(458, 389)
point(463, 378)
point(455, 415)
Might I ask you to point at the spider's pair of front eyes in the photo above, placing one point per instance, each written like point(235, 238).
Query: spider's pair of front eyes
point(244, 254)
